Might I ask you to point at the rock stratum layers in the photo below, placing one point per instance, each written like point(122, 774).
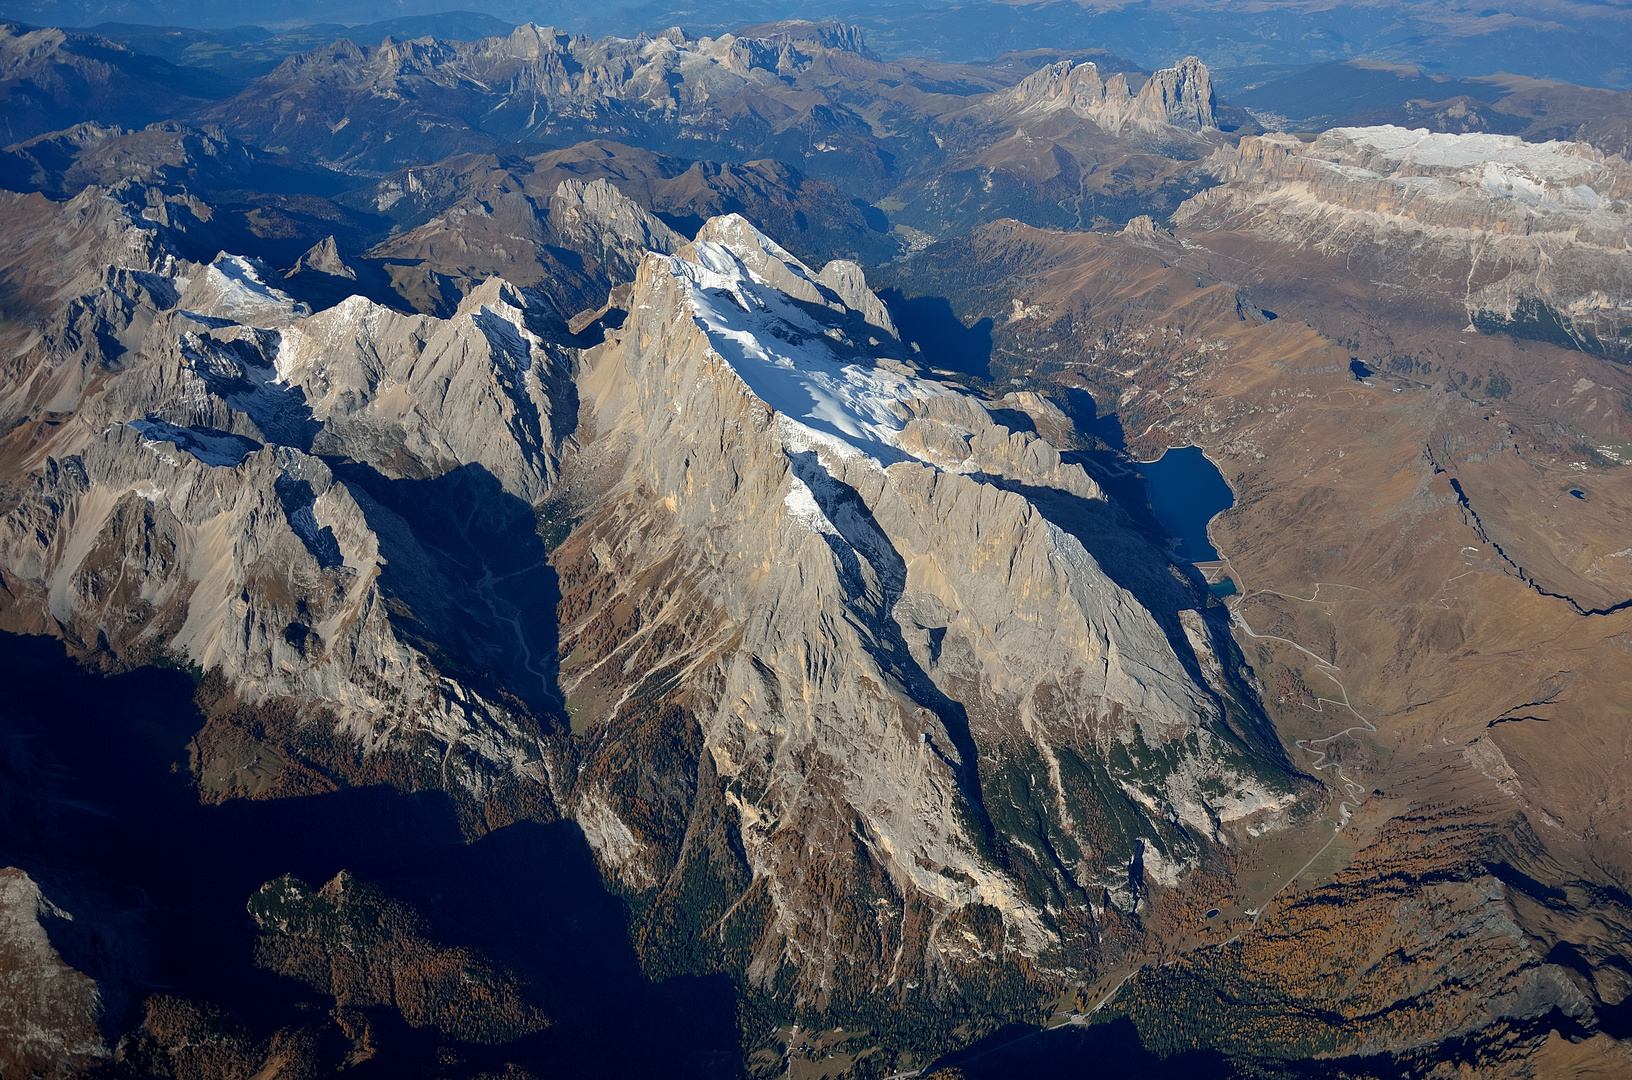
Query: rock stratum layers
point(1177, 97)
point(825, 661)
point(1530, 239)
point(888, 643)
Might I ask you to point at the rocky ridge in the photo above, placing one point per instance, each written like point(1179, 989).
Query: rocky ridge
point(540, 83)
point(577, 240)
point(893, 560)
point(1177, 97)
point(1528, 238)
point(54, 79)
point(863, 611)
point(197, 460)
point(168, 155)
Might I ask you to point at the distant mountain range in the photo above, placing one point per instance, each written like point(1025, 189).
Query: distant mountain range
point(1580, 42)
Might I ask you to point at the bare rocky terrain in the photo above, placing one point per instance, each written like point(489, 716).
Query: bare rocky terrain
point(507, 542)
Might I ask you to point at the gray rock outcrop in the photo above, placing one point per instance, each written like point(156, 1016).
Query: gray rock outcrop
point(1525, 237)
point(829, 637)
point(49, 1012)
point(1177, 97)
point(880, 632)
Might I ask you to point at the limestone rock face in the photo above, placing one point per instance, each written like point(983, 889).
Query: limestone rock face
point(847, 673)
point(845, 575)
point(600, 218)
point(501, 230)
point(49, 1012)
point(1182, 95)
point(190, 506)
point(323, 258)
point(1523, 236)
point(1177, 97)
point(847, 280)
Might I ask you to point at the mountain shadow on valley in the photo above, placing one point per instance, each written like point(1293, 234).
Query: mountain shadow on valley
point(941, 338)
point(1115, 1048)
point(1079, 405)
point(467, 576)
point(102, 809)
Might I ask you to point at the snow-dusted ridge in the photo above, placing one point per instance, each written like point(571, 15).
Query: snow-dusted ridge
point(217, 448)
point(1552, 160)
point(235, 288)
point(1544, 177)
point(786, 357)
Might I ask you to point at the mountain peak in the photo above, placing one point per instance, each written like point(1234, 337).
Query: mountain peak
point(1177, 97)
point(323, 257)
point(1181, 95)
point(840, 287)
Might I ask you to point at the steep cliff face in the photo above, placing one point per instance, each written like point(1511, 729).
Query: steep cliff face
point(575, 240)
point(1529, 238)
point(1177, 97)
point(855, 705)
point(181, 507)
point(940, 733)
point(49, 1012)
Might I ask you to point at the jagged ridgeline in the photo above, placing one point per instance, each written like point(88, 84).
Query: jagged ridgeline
point(863, 700)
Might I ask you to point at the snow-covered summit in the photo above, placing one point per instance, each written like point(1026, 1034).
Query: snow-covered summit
point(759, 306)
point(235, 288)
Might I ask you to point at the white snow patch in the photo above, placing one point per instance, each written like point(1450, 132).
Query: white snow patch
point(801, 504)
point(787, 361)
point(1545, 176)
point(212, 447)
point(232, 287)
point(1553, 160)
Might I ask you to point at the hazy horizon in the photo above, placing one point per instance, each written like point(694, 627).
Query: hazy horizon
point(1583, 43)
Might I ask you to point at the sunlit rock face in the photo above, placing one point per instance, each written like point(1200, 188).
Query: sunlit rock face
point(808, 644)
point(49, 1012)
point(191, 507)
point(1524, 236)
point(1177, 97)
point(907, 681)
